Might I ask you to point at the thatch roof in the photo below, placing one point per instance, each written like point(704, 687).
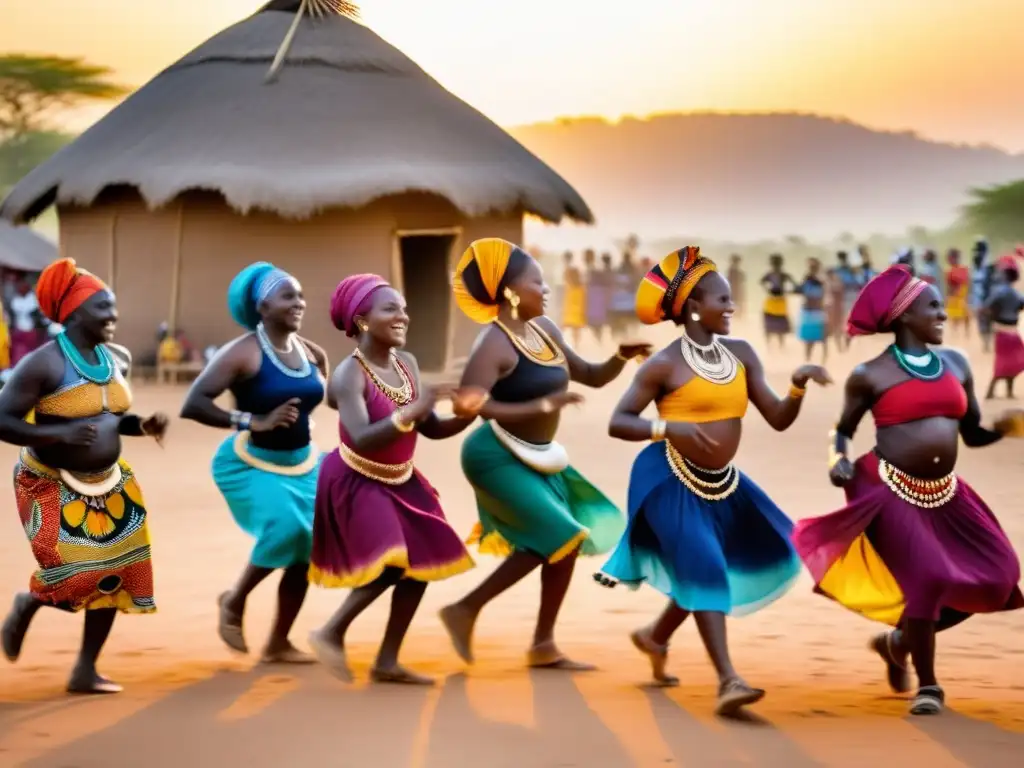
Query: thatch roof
point(349, 119)
point(22, 248)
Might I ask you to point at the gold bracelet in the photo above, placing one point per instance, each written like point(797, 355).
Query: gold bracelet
point(834, 456)
point(622, 357)
point(796, 393)
point(658, 429)
point(399, 424)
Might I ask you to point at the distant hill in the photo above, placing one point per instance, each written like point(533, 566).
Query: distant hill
point(752, 176)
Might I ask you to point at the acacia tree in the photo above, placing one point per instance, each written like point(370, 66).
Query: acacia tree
point(32, 88)
point(998, 211)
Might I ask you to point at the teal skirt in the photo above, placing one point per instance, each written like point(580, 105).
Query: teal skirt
point(524, 510)
point(271, 496)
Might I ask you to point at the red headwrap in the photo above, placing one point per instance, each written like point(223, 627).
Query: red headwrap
point(352, 298)
point(886, 297)
point(63, 287)
point(1008, 262)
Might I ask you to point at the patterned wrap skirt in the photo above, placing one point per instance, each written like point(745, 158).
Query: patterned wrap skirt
point(730, 555)
point(88, 535)
point(270, 494)
point(886, 558)
point(523, 509)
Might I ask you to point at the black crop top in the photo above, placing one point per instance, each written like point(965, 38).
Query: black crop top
point(530, 380)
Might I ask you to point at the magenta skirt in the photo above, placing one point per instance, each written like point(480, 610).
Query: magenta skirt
point(887, 558)
point(1009, 357)
point(362, 526)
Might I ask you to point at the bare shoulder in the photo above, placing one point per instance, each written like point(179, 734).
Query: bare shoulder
point(548, 325)
point(955, 359)
point(409, 360)
point(743, 350)
point(122, 356)
point(315, 350)
point(242, 354)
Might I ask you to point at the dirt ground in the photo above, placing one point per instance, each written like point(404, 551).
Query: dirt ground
point(188, 701)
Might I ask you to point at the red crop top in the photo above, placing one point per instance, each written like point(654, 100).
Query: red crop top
point(918, 399)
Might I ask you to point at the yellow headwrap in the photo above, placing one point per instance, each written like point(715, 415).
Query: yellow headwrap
point(678, 273)
point(491, 255)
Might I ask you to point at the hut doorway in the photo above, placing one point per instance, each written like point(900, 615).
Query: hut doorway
point(423, 266)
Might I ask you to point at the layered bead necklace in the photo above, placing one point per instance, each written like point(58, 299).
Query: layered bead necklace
point(713, 362)
point(534, 343)
point(400, 395)
point(926, 367)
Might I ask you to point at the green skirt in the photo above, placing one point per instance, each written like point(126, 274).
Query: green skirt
point(522, 509)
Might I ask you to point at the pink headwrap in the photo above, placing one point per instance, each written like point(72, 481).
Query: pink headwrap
point(886, 297)
point(352, 298)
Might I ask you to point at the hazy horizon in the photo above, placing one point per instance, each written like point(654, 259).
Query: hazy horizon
point(944, 69)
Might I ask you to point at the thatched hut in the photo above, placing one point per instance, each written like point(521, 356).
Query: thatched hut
point(352, 160)
point(24, 250)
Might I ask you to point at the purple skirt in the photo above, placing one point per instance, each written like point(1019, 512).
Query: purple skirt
point(887, 558)
point(362, 526)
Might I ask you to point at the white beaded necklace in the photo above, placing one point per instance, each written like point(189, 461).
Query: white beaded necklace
point(712, 362)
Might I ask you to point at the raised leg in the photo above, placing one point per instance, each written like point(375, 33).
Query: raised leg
point(232, 607)
point(17, 623)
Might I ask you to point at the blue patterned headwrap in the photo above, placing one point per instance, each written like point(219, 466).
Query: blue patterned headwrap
point(252, 285)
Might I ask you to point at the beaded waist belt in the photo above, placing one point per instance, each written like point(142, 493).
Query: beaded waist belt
point(89, 485)
point(390, 474)
point(927, 494)
point(721, 487)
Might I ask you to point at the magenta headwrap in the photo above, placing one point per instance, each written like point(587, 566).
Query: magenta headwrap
point(882, 300)
point(352, 298)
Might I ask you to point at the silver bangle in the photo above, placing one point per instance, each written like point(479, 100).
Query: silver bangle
point(241, 421)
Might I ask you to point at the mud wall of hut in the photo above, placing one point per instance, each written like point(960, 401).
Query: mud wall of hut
point(206, 243)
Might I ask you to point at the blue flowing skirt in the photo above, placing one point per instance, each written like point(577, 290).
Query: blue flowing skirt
point(732, 556)
point(812, 325)
point(271, 495)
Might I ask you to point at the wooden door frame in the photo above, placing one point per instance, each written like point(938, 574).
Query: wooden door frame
point(398, 276)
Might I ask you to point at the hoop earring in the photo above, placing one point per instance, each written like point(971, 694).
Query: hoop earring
point(513, 301)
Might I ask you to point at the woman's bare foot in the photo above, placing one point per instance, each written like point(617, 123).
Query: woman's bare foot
point(657, 654)
point(460, 623)
point(547, 656)
point(229, 626)
point(895, 663)
point(90, 682)
point(16, 625)
point(735, 694)
point(331, 654)
point(398, 674)
point(286, 654)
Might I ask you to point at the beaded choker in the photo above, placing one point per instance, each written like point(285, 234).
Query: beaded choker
point(927, 494)
point(686, 471)
point(98, 373)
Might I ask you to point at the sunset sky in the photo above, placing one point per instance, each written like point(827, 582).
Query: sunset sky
point(950, 69)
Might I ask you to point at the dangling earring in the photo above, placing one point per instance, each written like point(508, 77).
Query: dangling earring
point(513, 301)
point(364, 327)
point(695, 317)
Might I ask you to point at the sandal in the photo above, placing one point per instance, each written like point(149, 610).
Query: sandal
point(400, 675)
point(547, 656)
point(930, 700)
point(735, 694)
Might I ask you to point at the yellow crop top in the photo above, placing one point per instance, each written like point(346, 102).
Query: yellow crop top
point(699, 401)
point(82, 398)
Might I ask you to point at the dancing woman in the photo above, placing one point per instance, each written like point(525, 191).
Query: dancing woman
point(68, 405)
point(776, 312)
point(378, 522)
point(958, 286)
point(915, 547)
point(700, 531)
point(1003, 309)
point(534, 507)
point(267, 470)
point(813, 322)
